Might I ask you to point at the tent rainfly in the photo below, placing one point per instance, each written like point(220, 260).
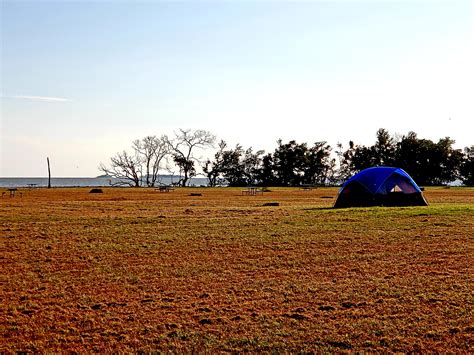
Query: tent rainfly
point(380, 186)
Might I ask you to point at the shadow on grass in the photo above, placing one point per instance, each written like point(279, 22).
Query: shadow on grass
point(319, 208)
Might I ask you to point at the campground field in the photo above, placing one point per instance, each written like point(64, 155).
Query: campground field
point(139, 270)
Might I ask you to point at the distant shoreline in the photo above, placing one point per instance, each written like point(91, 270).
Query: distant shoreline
point(9, 182)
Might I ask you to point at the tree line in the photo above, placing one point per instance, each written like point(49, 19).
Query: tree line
point(290, 164)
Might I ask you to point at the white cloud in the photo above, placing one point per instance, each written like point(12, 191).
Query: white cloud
point(38, 98)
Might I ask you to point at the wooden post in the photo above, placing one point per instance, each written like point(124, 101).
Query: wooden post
point(49, 174)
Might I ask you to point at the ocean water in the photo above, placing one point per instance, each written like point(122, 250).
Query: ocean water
point(81, 182)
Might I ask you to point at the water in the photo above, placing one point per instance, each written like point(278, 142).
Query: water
point(83, 182)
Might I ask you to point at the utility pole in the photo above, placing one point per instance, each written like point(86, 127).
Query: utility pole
point(49, 174)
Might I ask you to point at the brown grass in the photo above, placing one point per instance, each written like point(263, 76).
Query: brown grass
point(135, 269)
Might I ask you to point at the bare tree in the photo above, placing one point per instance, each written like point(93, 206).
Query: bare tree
point(140, 167)
point(152, 150)
point(183, 147)
point(49, 173)
point(125, 168)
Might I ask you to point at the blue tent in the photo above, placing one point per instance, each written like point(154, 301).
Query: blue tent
point(380, 186)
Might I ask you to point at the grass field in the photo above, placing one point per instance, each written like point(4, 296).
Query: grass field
point(135, 269)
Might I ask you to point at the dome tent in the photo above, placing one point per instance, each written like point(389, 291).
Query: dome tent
point(380, 186)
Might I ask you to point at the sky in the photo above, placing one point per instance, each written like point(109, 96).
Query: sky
point(80, 80)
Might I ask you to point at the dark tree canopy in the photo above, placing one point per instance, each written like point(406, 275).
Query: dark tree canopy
point(291, 164)
point(235, 167)
point(429, 163)
point(467, 166)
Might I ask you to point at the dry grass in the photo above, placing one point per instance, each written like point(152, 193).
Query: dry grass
point(135, 269)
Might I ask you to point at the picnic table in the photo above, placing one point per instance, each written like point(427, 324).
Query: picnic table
point(252, 191)
point(164, 188)
point(12, 191)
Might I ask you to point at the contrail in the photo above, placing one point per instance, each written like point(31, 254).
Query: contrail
point(38, 98)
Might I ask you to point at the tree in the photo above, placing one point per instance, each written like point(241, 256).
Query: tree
point(141, 166)
point(213, 170)
point(467, 167)
point(345, 170)
point(447, 160)
point(152, 150)
point(355, 159)
point(360, 157)
point(236, 167)
point(384, 148)
point(288, 163)
point(232, 169)
point(251, 165)
point(319, 166)
point(427, 162)
point(295, 164)
point(183, 146)
point(230, 166)
point(125, 168)
point(186, 169)
point(266, 175)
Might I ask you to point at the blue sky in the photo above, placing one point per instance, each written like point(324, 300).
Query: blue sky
point(80, 80)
